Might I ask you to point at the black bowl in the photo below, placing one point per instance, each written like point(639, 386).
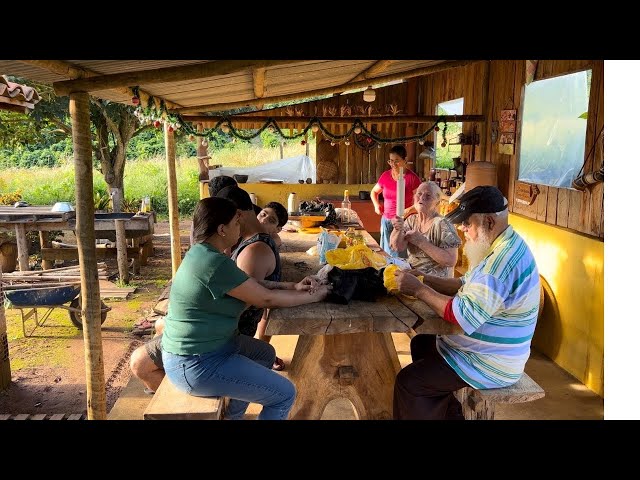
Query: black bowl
point(241, 178)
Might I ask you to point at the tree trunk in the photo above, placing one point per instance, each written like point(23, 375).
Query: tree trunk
point(113, 139)
point(113, 169)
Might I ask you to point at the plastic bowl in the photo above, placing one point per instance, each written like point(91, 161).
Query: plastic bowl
point(62, 207)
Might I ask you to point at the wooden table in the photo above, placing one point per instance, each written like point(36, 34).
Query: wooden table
point(344, 351)
point(42, 219)
point(23, 219)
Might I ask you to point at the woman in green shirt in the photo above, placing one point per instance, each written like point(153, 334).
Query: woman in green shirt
point(202, 351)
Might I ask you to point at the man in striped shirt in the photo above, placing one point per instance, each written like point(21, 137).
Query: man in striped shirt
point(495, 304)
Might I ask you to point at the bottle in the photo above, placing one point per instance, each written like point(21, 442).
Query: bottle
point(346, 208)
point(292, 203)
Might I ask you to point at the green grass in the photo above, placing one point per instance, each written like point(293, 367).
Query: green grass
point(48, 346)
point(45, 186)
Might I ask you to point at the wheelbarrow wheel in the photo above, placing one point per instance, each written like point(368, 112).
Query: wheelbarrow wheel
point(76, 317)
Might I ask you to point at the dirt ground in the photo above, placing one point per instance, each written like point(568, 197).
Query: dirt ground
point(48, 369)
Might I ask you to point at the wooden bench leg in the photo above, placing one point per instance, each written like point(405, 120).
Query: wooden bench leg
point(473, 406)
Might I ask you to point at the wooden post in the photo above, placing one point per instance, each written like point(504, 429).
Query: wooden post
point(45, 242)
point(172, 183)
point(23, 247)
point(121, 246)
point(5, 365)
point(203, 156)
point(135, 243)
point(412, 109)
point(85, 227)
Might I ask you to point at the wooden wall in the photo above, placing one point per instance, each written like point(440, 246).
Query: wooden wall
point(355, 165)
point(487, 86)
point(504, 82)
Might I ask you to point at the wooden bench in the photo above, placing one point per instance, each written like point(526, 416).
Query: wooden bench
point(480, 404)
point(168, 403)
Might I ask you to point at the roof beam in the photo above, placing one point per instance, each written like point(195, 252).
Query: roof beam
point(258, 84)
point(68, 70)
point(261, 119)
point(162, 75)
point(375, 69)
point(329, 90)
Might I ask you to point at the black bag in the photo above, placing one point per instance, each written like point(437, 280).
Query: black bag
point(362, 284)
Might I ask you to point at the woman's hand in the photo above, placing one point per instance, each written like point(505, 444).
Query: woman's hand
point(407, 283)
point(398, 224)
point(321, 292)
point(378, 209)
point(415, 237)
point(309, 284)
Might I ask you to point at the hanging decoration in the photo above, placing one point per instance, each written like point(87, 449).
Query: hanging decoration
point(364, 142)
point(156, 113)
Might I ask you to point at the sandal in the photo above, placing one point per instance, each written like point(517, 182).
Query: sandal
point(278, 365)
point(143, 328)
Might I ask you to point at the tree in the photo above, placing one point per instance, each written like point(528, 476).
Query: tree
point(113, 126)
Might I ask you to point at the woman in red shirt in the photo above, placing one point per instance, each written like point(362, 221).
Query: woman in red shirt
point(387, 185)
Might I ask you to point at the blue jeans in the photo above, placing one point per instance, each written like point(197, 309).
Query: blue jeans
point(240, 370)
point(386, 227)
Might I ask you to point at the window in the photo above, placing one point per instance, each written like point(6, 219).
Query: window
point(446, 154)
point(554, 127)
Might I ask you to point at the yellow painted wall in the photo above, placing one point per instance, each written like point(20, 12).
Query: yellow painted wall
point(571, 330)
point(279, 192)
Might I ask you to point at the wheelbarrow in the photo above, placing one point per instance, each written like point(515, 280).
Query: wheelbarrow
point(28, 299)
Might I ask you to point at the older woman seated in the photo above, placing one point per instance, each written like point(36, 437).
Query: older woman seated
point(431, 240)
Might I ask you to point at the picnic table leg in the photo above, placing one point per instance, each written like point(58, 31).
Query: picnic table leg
point(360, 367)
point(23, 247)
point(45, 243)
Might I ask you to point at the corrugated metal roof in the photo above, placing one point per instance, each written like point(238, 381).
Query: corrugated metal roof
point(294, 78)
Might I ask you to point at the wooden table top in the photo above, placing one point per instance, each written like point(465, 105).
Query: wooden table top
point(387, 314)
point(32, 214)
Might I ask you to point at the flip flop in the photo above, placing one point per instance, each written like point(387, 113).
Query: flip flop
point(278, 365)
point(144, 324)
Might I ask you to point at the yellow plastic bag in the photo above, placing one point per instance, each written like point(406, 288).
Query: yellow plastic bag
point(352, 258)
point(389, 280)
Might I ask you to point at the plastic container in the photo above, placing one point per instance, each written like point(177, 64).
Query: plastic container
point(292, 203)
point(346, 208)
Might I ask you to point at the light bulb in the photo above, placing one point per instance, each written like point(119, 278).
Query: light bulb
point(369, 95)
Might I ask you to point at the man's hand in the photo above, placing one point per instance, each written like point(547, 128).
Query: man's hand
point(407, 283)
